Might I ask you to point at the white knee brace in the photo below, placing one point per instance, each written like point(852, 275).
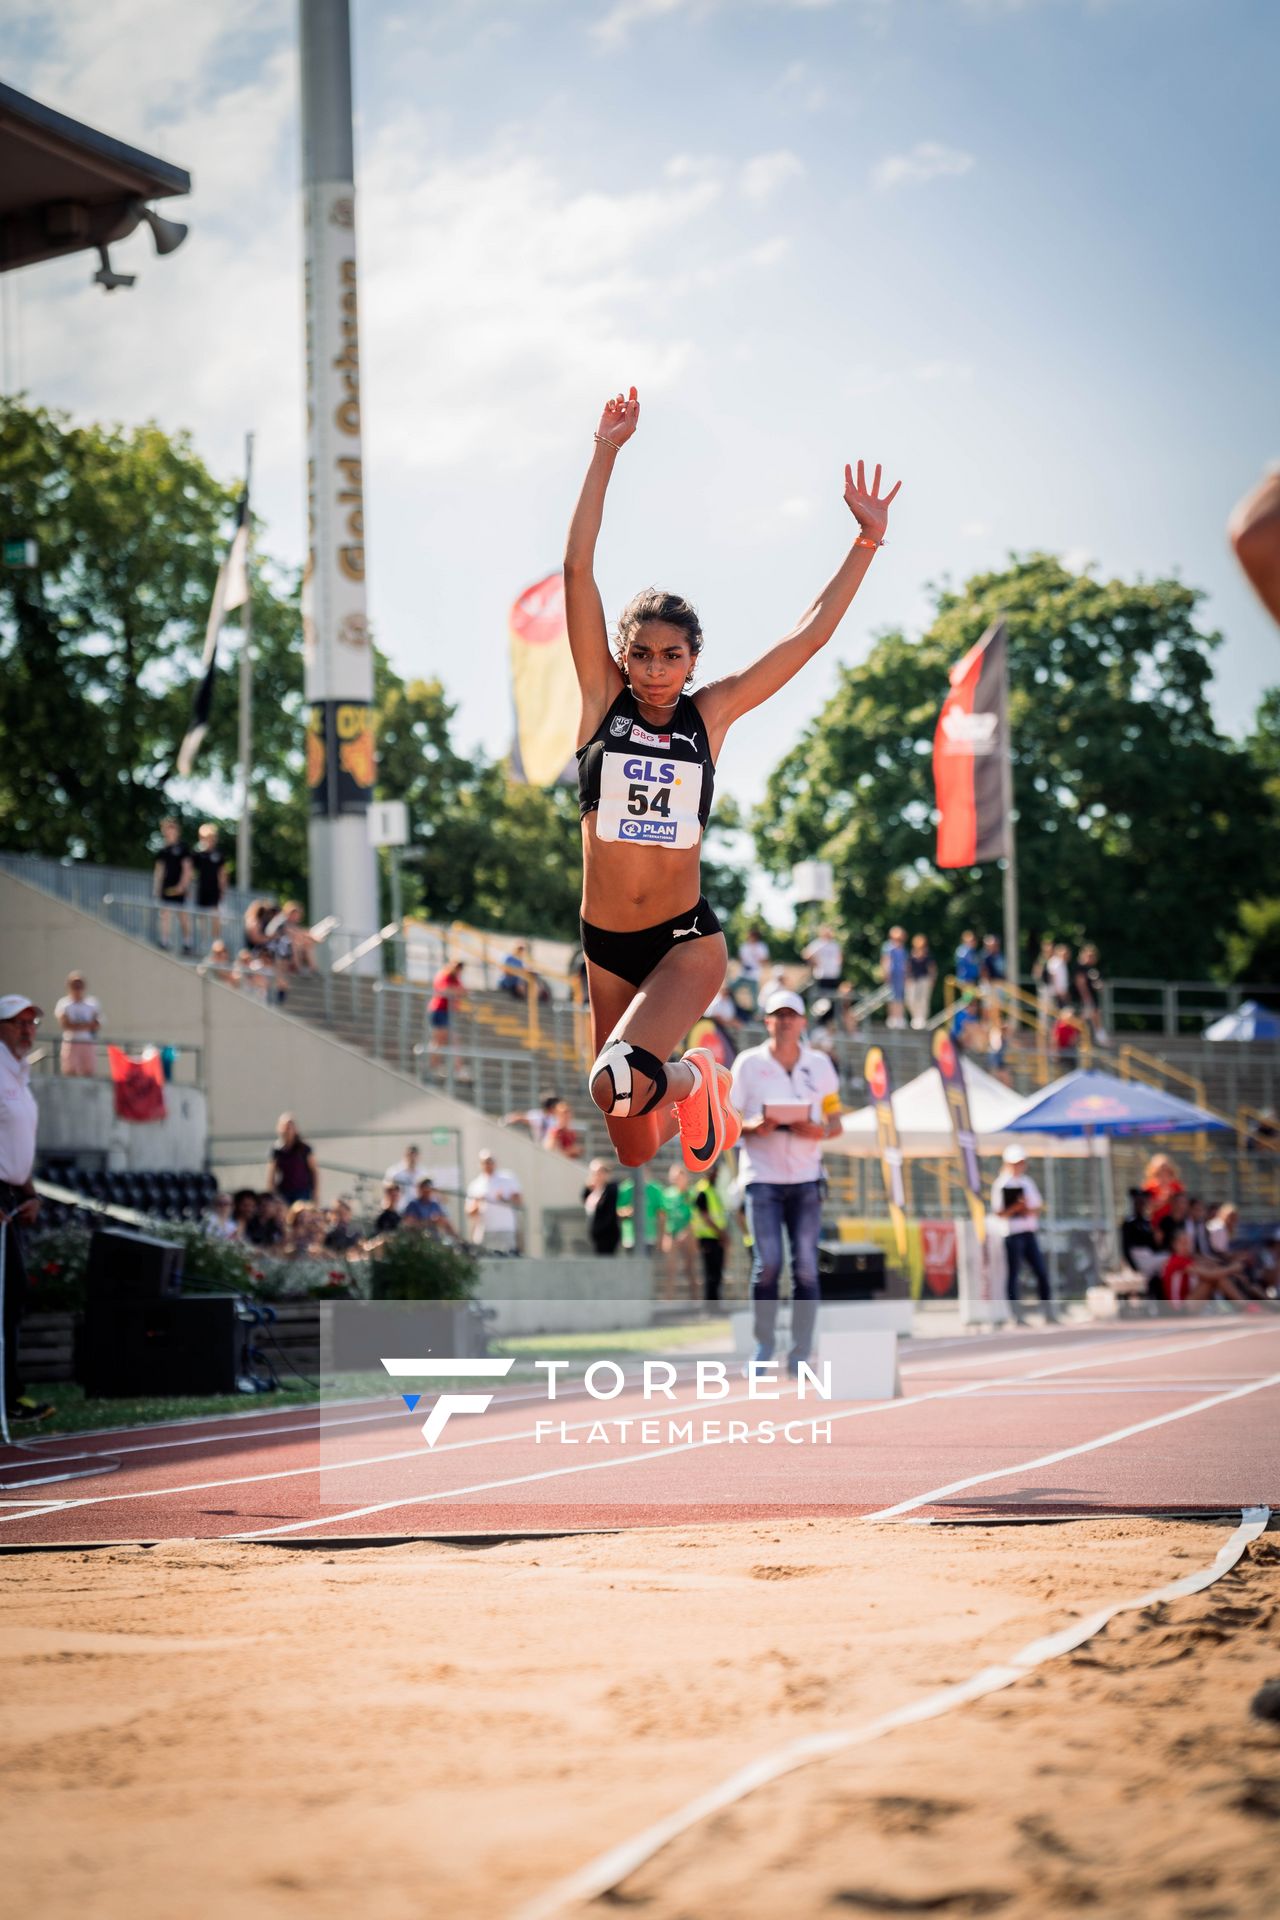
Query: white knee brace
point(615, 1061)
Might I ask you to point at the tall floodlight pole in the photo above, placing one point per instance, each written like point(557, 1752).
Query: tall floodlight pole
point(335, 628)
point(244, 832)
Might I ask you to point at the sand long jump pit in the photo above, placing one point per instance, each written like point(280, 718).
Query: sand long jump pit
point(694, 1712)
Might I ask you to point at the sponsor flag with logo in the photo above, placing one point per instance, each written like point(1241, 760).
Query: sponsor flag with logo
point(231, 590)
point(544, 687)
point(969, 744)
point(946, 1057)
point(876, 1071)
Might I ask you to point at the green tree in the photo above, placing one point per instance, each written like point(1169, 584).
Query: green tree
point(1139, 825)
point(99, 648)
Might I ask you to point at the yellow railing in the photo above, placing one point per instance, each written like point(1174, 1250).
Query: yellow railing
point(1020, 1014)
point(1133, 1064)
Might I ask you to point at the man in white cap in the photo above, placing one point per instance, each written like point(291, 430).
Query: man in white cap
point(789, 1097)
point(19, 1203)
point(1016, 1203)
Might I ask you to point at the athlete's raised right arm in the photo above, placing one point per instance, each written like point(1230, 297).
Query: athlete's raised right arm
point(598, 676)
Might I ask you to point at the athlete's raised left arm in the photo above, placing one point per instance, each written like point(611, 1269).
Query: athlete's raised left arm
point(724, 701)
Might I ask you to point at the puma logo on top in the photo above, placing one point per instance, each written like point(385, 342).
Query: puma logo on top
point(682, 933)
point(689, 740)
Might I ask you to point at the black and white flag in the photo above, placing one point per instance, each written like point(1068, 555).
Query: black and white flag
point(230, 591)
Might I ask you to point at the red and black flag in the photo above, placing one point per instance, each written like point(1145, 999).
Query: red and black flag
point(969, 748)
point(231, 590)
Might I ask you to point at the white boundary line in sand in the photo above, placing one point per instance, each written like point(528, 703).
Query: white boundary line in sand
point(694, 1446)
point(606, 1873)
point(458, 1446)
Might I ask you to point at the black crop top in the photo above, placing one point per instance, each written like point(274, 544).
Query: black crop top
point(647, 769)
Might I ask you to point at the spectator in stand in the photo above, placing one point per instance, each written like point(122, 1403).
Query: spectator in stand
point(968, 961)
point(291, 1171)
point(218, 965)
point(304, 1233)
point(1139, 1246)
point(1161, 1184)
point(564, 1137)
point(258, 916)
point(1058, 968)
point(1086, 984)
point(270, 1222)
point(1184, 1278)
point(80, 1018)
point(847, 1008)
point(209, 865)
point(290, 946)
point(753, 956)
point(1067, 1031)
point(171, 883)
point(219, 1222)
point(1042, 980)
point(514, 978)
point(342, 1236)
point(446, 992)
point(539, 1120)
point(893, 971)
point(653, 1214)
point(710, 1228)
point(600, 1200)
point(822, 1028)
point(677, 1236)
point(826, 963)
point(1016, 1203)
point(494, 1200)
point(715, 1029)
point(426, 1213)
point(393, 1200)
point(404, 1176)
point(244, 1212)
point(922, 972)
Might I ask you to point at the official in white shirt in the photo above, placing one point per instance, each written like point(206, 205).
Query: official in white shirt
point(1016, 1202)
point(19, 1203)
point(789, 1097)
point(493, 1202)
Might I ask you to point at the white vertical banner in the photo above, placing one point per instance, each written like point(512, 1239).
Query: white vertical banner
point(981, 1274)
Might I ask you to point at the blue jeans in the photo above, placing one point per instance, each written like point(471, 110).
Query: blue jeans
point(1025, 1246)
point(796, 1207)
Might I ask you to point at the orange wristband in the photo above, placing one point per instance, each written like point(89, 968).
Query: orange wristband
point(865, 540)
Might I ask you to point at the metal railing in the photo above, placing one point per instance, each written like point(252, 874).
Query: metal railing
point(185, 1065)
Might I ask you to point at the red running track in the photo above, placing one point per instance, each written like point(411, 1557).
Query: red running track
point(1148, 1418)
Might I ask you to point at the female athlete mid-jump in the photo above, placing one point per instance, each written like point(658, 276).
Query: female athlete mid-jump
point(655, 954)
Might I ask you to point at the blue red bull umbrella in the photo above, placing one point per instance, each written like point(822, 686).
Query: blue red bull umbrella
point(1092, 1102)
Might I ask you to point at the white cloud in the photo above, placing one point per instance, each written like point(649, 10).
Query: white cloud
point(516, 293)
point(949, 370)
point(926, 161)
point(615, 27)
point(797, 83)
point(765, 173)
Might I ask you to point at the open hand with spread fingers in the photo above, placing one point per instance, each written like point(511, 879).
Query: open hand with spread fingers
point(867, 507)
point(620, 419)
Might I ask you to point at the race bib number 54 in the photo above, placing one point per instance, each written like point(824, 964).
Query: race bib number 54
point(649, 800)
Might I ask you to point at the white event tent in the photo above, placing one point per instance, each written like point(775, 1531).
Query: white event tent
point(924, 1126)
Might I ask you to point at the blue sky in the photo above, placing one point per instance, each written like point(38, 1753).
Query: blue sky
point(1021, 253)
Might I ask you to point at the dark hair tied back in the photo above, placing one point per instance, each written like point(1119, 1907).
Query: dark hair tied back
point(653, 603)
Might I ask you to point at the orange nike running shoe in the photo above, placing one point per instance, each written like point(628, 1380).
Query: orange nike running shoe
point(702, 1114)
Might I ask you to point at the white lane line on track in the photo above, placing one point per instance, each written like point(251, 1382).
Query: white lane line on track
point(461, 1446)
point(664, 1453)
point(1070, 1453)
point(603, 1875)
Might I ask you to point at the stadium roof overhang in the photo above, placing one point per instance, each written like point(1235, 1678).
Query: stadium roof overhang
point(65, 187)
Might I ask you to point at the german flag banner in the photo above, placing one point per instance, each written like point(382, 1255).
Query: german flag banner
point(544, 687)
point(969, 743)
point(876, 1073)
